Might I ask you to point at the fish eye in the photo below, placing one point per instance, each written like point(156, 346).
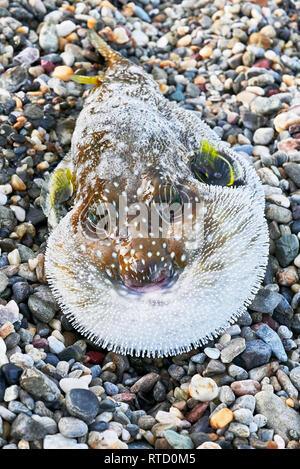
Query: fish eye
point(211, 167)
point(168, 194)
point(98, 220)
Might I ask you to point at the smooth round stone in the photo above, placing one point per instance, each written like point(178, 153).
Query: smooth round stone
point(287, 248)
point(110, 388)
point(99, 426)
point(67, 384)
point(26, 428)
point(213, 353)
point(203, 389)
point(83, 404)
point(263, 136)
point(3, 199)
point(11, 373)
point(19, 212)
point(2, 346)
point(59, 441)
point(71, 427)
point(28, 55)
point(48, 38)
point(3, 282)
point(21, 291)
point(65, 28)
point(178, 441)
point(55, 345)
point(52, 359)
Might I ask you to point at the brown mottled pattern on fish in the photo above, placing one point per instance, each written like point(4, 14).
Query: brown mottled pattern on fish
point(152, 295)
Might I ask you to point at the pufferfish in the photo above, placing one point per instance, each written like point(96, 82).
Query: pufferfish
point(123, 284)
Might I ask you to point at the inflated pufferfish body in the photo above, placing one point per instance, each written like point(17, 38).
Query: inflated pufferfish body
point(161, 293)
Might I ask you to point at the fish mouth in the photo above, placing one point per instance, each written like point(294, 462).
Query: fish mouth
point(161, 282)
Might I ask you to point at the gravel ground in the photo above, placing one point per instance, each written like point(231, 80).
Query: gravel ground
point(236, 64)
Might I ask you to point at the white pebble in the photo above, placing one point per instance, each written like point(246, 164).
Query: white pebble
point(55, 345)
point(212, 353)
point(14, 258)
point(66, 384)
point(203, 389)
point(65, 28)
point(11, 393)
point(19, 212)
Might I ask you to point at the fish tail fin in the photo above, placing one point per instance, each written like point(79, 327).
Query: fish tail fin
point(103, 48)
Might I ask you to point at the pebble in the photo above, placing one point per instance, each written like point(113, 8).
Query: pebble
point(221, 418)
point(203, 389)
point(281, 418)
point(42, 310)
point(287, 248)
point(265, 301)
point(71, 427)
point(66, 384)
point(233, 349)
point(248, 386)
point(270, 337)
point(48, 38)
point(265, 106)
point(26, 428)
point(178, 441)
point(65, 28)
point(292, 170)
point(256, 353)
point(55, 345)
point(59, 441)
point(295, 377)
point(62, 72)
point(239, 429)
point(82, 404)
point(39, 385)
point(263, 136)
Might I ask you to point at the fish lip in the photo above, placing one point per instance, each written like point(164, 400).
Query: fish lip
point(159, 285)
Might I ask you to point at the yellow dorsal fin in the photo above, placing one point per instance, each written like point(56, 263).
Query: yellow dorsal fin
point(83, 79)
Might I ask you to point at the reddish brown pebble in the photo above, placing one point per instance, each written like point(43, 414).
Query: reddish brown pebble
point(272, 445)
point(247, 386)
point(197, 412)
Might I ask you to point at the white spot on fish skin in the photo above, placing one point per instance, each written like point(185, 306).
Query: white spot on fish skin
point(158, 253)
point(114, 255)
point(149, 254)
point(153, 242)
point(82, 248)
point(172, 255)
point(183, 257)
point(132, 252)
point(99, 253)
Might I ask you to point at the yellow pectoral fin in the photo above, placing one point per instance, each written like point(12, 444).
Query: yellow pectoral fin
point(57, 189)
